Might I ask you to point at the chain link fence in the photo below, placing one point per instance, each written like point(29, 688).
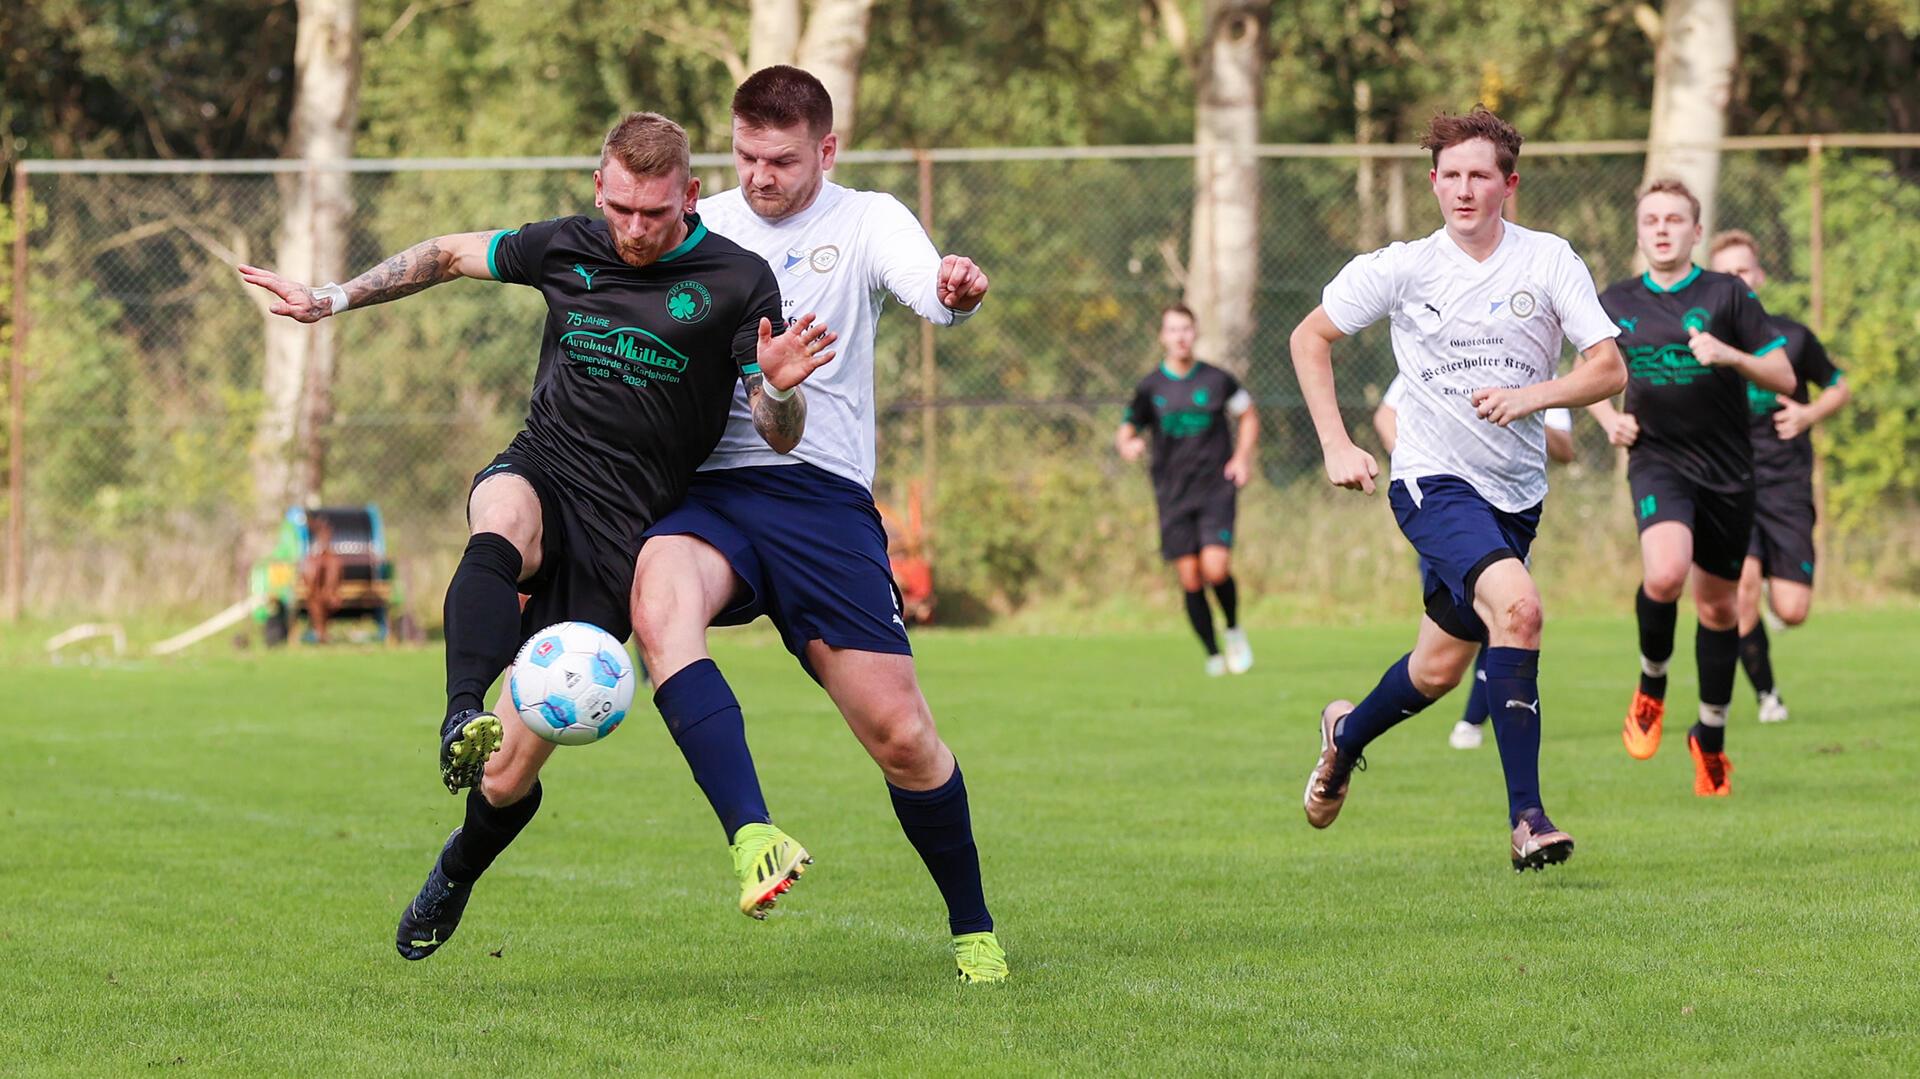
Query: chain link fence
point(133, 409)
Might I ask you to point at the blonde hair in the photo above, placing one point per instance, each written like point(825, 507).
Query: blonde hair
point(648, 144)
point(1733, 238)
point(1670, 186)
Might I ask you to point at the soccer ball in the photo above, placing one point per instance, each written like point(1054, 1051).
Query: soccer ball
point(571, 683)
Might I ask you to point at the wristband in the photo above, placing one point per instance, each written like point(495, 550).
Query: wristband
point(774, 393)
point(334, 292)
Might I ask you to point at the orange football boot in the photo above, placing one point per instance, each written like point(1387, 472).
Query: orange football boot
point(1712, 772)
point(1641, 732)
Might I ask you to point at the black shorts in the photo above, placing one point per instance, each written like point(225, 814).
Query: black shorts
point(1721, 523)
point(1783, 517)
point(1199, 520)
point(586, 554)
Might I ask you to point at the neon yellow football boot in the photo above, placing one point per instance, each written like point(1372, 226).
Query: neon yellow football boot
point(980, 958)
point(767, 861)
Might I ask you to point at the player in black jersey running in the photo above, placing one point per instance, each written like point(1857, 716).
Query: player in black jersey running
point(651, 320)
point(1693, 340)
point(1781, 551)
point(1199, 466)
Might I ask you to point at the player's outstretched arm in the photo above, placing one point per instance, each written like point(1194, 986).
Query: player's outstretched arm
point(423, 265)
point(1348, 465)
point(773, 395)
point(1598, 374)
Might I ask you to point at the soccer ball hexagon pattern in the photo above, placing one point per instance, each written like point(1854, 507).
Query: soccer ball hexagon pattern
point(572, 683)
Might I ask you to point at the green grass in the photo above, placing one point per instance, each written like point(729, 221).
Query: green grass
point(203, 861)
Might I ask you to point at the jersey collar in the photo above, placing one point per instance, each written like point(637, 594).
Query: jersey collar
point(1653, 286)
point(1179, 378)
point(696, 231)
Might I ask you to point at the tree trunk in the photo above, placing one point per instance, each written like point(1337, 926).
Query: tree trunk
point(1225, 258)
point(831, 47)
point(289, 453)
point(1693, 81)
point(773, 33)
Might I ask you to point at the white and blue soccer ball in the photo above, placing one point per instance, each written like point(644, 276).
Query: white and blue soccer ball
point(572, 683)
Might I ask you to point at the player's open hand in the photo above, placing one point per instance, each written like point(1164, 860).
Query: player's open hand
point(1351, 467)
point(1238, 472)
point(786, 361)
point(962, 285)
point(1501, 405)
point(297, 301)
point(1622, 429)
point(1710, 350)
point(1793, 419)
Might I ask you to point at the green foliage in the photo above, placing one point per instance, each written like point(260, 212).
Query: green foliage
point(1872, 296)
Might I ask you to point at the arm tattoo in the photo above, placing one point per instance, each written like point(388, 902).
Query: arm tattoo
point(420, 266)
point(781, 423)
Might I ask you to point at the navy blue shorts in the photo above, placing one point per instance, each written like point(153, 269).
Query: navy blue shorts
point(810, 549)
point(1457, 534)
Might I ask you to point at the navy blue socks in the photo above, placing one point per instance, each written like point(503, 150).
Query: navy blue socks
point(1393, 700)
point(1513, 695)
point(487, 831)
point(940, 828)
point(482, 619)
point(1477, 712)
point(704, 718)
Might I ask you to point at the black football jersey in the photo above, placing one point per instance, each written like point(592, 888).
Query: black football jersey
point(1188, 424)
point(637, 364)
point(1692, 416)
point(1778, 460)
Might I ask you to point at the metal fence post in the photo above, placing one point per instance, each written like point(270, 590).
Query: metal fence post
point(929, 373)
point(16, 403)
point(1816, 236)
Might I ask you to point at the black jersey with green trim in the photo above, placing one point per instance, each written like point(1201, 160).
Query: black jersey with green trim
point(637, 363)
point(1692, 416)
point(1790, 460)
point(1188, 421)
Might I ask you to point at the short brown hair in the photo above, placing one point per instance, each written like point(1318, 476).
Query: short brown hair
point(1177, 309)
point(1667, 185)
point(1446, 130)
point(1733, 238)
point(783, 96)
point(649, 145)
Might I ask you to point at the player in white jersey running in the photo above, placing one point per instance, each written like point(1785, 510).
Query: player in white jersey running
point(797, 537)
point(1478, 310)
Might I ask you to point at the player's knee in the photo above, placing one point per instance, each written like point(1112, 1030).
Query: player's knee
point(509, 783)
point(1792, 611)
point(1521, 620)
point(1664, 585)
point(1433, 676)
point(904, 741)
point(1717, 612)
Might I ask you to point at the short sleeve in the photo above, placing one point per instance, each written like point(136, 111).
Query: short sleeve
point(1583, 320)
point(1753, 332)
point(1364, 291)
point(515, 255)
point(1396, 393)
point(1559, 419)
point(1815, 366)
point(763, 301)
point(1140, 412)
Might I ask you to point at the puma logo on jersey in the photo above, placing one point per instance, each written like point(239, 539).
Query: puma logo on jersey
point(1435, 310)
point(1534, 707)
point(1628, 324)
point(585, 273)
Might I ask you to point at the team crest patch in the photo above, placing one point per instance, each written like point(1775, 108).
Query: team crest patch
point(803, 260)
point(689, 301)
point(1523, 304)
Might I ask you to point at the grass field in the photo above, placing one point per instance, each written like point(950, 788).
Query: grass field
point(203, 861)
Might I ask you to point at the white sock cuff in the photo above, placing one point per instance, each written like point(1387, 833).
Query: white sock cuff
point(1713, 715)
point(1653, 668)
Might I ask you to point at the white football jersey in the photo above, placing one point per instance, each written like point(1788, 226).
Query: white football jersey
point(838, 258)
point(1460, 325)
point(1556, 419)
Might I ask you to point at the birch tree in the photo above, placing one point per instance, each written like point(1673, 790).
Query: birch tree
point(1692, 84)
point(1224, 262)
